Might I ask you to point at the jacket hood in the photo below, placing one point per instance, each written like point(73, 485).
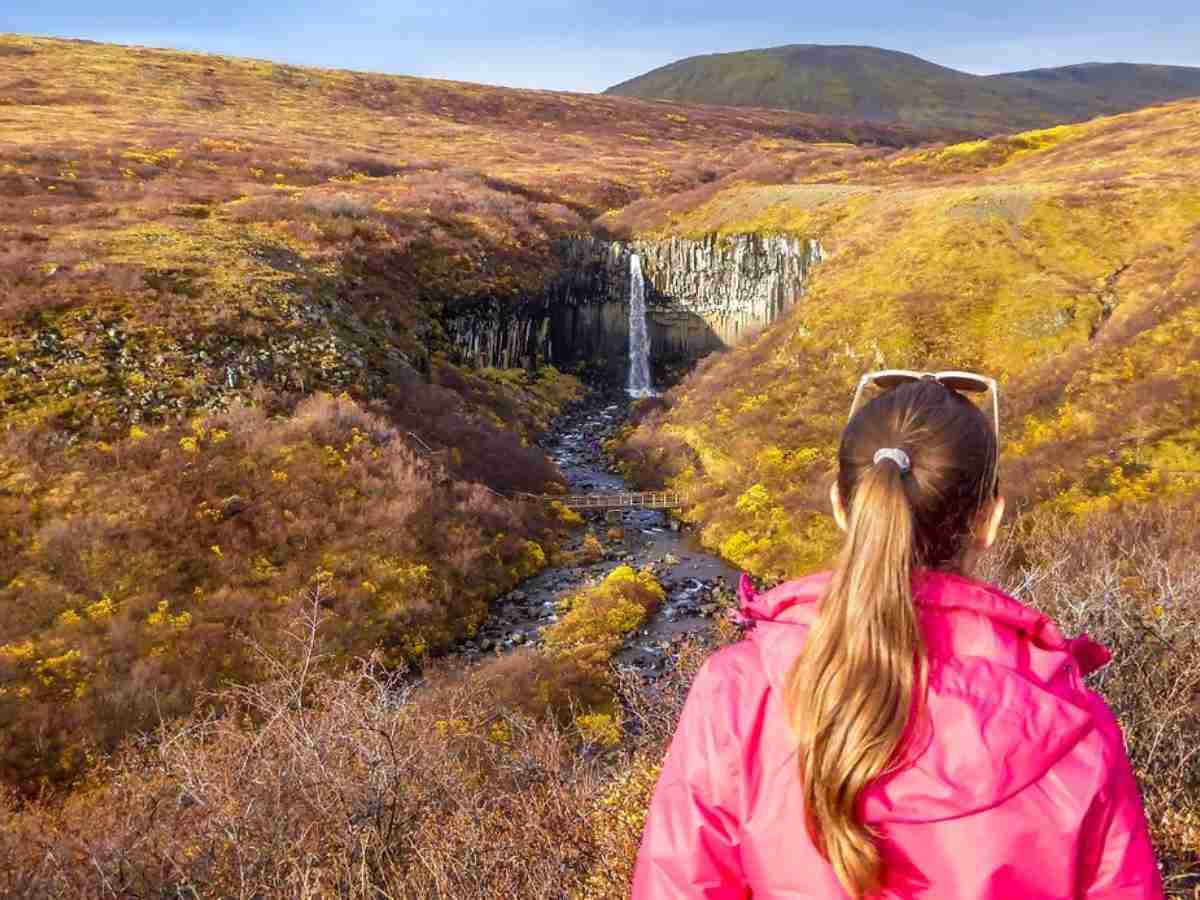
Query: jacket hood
point(1005, 702)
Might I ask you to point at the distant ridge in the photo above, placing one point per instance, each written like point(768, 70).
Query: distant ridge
point(888, 86)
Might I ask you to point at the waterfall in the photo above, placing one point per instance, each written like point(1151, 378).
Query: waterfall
point(639, 342)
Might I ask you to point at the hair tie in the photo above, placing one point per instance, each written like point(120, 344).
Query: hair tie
point(899, 457)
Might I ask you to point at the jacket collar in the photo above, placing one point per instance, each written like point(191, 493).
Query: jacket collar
point(798, 603)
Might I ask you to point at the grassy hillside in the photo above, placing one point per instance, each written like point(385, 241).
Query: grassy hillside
point(1108, 88)
point(886, 86)
point(1063, 261)
point(222, 379)
point(204, 224)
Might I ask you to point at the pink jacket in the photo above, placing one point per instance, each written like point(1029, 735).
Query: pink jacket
point(1023, 790)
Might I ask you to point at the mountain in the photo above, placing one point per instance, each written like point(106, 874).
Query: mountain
point(1108, 88)
point(887, 86)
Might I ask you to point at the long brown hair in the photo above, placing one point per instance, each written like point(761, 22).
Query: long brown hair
point(851, 692)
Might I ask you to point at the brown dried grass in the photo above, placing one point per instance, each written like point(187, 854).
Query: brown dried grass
point(366, 785)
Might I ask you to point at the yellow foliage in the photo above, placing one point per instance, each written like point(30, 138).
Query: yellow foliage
point(753, 402)
point(17, 651)
point(741, 547)
point(101, 609)
point(597, 619)
point(592, 549)
point(500, 733)
point(566, 515)
point(755, 501)
point(263, 569)
point(599, 728)
point(161, 618)
point(536, 555)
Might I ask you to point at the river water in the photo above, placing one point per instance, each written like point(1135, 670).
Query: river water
point(698, 585)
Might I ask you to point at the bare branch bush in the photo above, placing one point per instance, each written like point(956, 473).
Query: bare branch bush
point(1131, 581)
point(360, 785)
point(384, 785)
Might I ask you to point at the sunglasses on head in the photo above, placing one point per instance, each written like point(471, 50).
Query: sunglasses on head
point(963, 382)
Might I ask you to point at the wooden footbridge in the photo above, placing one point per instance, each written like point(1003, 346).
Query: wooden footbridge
point(624, 500)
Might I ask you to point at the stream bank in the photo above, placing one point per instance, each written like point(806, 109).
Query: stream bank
point(698, 585)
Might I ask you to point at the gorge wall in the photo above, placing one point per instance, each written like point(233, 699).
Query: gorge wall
point(702, 295)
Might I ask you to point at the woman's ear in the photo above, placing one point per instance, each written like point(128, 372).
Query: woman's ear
point(839, 511)
point(995, 516)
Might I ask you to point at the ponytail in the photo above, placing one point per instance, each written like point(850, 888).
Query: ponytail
point(850, 693)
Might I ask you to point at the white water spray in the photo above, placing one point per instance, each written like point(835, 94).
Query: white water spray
point(639, 342)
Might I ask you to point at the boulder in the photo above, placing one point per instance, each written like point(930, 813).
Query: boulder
point(233, 505)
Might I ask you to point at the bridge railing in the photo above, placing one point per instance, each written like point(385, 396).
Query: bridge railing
point(625, 499)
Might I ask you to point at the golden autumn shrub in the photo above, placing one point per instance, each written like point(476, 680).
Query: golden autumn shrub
point(596, 620)
point(132, 569)
point(568, 675)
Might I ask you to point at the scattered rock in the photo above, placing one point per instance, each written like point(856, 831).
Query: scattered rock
point(232, 506)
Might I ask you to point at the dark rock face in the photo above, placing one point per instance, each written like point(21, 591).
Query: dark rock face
point(737, 285)
point(702, 295)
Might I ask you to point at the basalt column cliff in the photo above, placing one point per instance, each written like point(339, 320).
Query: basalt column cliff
point(701, 295)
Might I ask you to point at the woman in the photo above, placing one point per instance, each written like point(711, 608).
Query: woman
point(893, 728)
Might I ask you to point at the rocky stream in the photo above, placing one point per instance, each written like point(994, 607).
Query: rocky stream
point(698, 585)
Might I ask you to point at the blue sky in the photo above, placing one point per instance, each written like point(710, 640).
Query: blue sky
point(569, 45)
